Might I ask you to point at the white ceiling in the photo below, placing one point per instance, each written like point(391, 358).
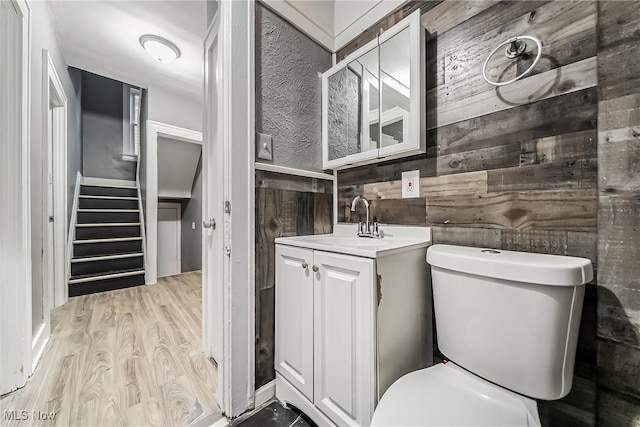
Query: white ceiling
point(102, 37)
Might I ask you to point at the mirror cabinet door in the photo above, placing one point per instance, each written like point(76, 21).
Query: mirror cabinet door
point(395, 76)
point(352, 102)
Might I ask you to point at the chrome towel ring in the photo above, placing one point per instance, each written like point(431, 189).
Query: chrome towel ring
point(517, 47)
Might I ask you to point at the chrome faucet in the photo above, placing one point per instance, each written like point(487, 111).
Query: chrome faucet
point(366, 229)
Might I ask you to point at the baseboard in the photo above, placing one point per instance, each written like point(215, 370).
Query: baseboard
point(60, 300)
point(108, 182)
point(265, 393)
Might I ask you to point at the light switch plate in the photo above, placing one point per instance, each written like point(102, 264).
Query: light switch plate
point(264, 146)
point(193, 225)
point(410, 184)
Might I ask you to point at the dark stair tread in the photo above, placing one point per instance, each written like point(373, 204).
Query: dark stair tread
point(118, 255)
point(106, 240)
point(107, 274)
point(109, 224)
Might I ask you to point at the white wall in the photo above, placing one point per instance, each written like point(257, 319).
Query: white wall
point(172, 108)
point(352, 17)
point(333, 23)
point(43, 36)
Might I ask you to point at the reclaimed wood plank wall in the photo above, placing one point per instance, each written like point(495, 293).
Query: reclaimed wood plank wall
point(511, 168)
point(286, 205)
point(618, 321)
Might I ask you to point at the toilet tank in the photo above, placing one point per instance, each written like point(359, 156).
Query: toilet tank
point(510, 317)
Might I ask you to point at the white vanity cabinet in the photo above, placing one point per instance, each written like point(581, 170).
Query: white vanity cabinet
point(347, 326)
point(325, 330)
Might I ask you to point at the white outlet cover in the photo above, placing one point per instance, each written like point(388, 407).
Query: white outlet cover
point(410, 184)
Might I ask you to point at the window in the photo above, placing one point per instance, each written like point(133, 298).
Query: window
point(131, 137)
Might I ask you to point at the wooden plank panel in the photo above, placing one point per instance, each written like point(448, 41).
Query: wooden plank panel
point(551, 23)
point(616, 409)
point(387, 171)
point(539, 241)
point(322, 213)
point(570, 78)
point(269, 225)
point(584, 245)
point(546, 176)
point(280, 181)
point(572, 146)
point(619, 367)
point(305, 214)
point(450, 13)
point(387, 211)
point(569, 113)
point(619, 315)
point(573, 210)
point(619, 70)
point(619, 155)
point(445, 185)
point(502, 156)
point(289, 214)
point(619, 112)
point(618, 23)
point(265, 336)
point(475, 237)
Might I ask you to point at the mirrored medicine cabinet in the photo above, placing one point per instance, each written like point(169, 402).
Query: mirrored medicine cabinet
point(373, 102)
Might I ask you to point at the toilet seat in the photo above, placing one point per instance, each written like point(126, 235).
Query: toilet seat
point(447, 395)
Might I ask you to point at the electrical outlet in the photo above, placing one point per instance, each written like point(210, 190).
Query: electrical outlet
point(410, 184)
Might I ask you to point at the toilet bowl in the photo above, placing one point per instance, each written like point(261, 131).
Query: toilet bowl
point(508, 322)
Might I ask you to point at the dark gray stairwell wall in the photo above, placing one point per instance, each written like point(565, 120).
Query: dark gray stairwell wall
point(74, 137)
point(102, 127)
point(191, 246)
point(288, 91)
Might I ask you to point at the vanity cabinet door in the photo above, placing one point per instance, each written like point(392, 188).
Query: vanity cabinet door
point(344, 338)
point(294, 317)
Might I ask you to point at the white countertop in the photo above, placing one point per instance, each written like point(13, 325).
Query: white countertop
point(344, 240)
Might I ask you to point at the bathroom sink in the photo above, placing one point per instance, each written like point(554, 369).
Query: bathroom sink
point(344, 240)
point(333, 240)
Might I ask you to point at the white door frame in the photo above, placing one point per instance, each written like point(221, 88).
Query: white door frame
point(53, 93)
point(229, 124)
point(15, 215)
point(154, 131)
point(178, 208)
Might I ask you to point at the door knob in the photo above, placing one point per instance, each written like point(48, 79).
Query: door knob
point(209, 223)
point(315, 268)
point(305, 265)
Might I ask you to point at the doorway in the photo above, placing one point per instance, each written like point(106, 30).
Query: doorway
point(51, 290)
point(169, 239)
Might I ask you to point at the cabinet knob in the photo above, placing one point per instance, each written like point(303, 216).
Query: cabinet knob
point(315, 268)
point(305, 265)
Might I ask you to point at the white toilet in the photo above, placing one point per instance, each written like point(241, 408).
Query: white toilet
point(508, 322)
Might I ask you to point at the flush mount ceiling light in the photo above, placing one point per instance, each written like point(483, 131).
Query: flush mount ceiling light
point(160, 49)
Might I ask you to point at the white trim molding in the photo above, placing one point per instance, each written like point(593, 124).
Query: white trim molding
point(293, 171)
point(71, 236)
point(265, 393)
point(53, 95)
point(15, 181)
point(155, 130)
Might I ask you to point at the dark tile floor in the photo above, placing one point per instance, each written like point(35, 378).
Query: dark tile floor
point(276, 415)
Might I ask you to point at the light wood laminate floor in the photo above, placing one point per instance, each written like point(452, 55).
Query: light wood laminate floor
point(130, 357)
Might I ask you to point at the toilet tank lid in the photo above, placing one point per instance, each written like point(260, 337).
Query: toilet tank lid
point(524, 267)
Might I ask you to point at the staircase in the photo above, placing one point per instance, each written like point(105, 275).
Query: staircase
point(107, 249)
